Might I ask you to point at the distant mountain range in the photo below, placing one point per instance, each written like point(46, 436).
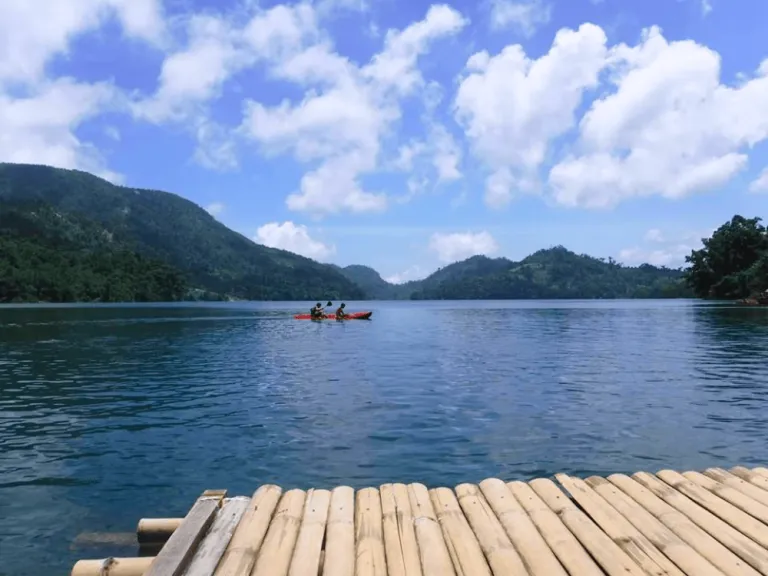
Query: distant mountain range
point(552, 273)
point(66, 235)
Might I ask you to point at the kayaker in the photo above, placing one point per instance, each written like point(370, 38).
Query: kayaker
point(340, 314)
point(317, 311)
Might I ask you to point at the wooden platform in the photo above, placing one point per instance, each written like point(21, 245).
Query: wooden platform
point(696, 524)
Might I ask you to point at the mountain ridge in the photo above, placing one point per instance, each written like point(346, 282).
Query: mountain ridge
point(191, 255)
point(163, 226)
point(551, 273)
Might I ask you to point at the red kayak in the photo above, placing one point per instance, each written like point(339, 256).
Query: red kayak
point(354, 316)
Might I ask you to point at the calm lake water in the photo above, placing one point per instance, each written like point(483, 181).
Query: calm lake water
point(110, 414)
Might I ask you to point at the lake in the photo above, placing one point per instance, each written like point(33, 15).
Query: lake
point(113, 413)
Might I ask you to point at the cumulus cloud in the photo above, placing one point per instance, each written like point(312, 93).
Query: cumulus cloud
point(663, 249)
point(338, 125)
point(409, 274)
point(663, 123)
point(407, 153)
point(461, 245)
point(39, 116)
point(33, 32)
point(669, 128)
point(760, 184)
point(512, 107)
point(437, 158)
point(346, 112)
point(294, 238)
point(217, 48)
point(671, 257)
point(39, 128)
point(522, 16)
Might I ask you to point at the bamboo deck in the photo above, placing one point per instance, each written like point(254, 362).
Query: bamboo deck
point(694, 524)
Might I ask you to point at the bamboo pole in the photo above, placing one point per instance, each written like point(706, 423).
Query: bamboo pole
point(112, 567)
point(151, 530)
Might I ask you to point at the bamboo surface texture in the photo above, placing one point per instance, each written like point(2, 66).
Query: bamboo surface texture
point(710, 523)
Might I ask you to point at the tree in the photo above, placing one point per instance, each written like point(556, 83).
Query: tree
point(733, 263)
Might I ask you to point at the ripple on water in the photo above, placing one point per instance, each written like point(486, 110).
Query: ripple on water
point(109, 414)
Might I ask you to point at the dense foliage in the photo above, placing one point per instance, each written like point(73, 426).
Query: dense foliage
point(66, 235)
point(49, 257)
point(374, 285)
point(733, 263)
point(552, 273)
point(159, 226)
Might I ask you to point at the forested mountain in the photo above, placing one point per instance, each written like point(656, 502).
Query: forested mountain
point(149, 225)
point(66, 236)
point(551, 273)
point(46, 256)
point(374, 285)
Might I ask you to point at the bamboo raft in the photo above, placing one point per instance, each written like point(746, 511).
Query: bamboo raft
point(710, 524)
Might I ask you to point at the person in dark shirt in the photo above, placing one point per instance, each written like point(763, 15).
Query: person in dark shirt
point(340, 314)
point(317, 311)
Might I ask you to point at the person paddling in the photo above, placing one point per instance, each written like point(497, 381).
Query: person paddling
point(318, 312)
point(340, 314)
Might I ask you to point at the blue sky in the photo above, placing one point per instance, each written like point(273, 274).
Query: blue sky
point(404, 134)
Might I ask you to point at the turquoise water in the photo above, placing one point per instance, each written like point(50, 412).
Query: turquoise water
point(110, 414)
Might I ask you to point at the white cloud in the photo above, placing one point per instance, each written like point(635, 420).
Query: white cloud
point(461, 245)
point(39, 128)
point(218, 48)
point(39, 116)
point(664, 249)
point(142, 19)
point(523, 16)
point(706, 7)
point(394, 68)
point(671, 256)
point(407, 153)
point(342, 119)
point(31, 33)
point(669, 128)
point(215, 148)
point(215, 208)
point(760, 184)
point(447, 154)
point(440, 148)
point(409, 274)
point(663, 123)
point(512, 107)
point(294, 238)
point(654, 235)
point(194, 75)
point(499, 188)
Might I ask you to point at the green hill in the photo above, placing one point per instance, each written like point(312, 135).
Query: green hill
point(101, 221)
point(50, 257)
point(66, 235)
point(374, 285)
point(551, 273)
